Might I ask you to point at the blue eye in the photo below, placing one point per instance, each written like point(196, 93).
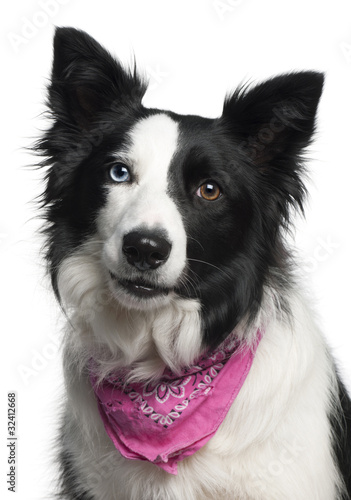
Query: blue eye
point(120, 173)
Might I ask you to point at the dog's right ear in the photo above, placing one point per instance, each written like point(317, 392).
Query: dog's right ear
point(87, 80)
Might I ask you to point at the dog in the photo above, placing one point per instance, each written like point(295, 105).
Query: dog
point(194, 367)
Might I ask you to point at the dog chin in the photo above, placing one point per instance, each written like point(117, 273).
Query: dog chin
point(139, 293)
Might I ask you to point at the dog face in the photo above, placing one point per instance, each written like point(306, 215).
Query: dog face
point(162, 194)
point(180, 207)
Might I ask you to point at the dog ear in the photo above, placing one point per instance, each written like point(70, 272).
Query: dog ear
point(273, 122)
point(276, 118)
point(87, 80)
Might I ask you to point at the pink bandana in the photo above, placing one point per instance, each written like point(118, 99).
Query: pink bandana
point(165, 422)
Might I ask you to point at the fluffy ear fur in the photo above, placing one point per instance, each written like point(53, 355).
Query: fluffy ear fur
point(87, 80)
point(274, 122)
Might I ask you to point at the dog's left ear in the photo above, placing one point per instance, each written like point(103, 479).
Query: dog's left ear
point(276, 118)
point(271, 124)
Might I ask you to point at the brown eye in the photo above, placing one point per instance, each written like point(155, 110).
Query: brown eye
point(209, 191)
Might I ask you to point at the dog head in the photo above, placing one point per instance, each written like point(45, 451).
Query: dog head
point(167, 207)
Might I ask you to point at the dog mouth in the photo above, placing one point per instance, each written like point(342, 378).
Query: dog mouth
point(140, 287)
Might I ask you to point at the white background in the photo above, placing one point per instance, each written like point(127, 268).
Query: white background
point(193, 51)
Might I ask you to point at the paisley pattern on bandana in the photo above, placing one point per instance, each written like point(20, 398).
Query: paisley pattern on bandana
point(165, 421)
point(164, 389)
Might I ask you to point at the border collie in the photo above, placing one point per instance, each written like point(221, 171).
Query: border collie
point(194, 367)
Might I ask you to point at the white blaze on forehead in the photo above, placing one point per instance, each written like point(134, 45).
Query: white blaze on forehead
point(154, 142)
point(145, 202)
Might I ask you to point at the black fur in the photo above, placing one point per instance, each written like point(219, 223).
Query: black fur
point(70, 487)
point(341, 425)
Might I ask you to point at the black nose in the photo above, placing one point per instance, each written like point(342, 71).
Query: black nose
point(146, 250)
